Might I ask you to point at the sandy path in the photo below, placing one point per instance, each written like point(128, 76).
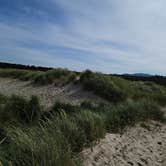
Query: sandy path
point(136, 147)
point(47, 94)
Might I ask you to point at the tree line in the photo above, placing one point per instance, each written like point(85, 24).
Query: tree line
point(25, 67)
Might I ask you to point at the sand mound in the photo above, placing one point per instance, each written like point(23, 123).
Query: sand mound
point(47, 94)
point(138, 146)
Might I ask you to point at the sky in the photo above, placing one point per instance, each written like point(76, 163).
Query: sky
point(110, 36)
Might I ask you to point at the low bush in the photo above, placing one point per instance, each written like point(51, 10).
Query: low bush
point(92, 124)
point(116, 89)
point(58, 76)
point(130, 113)
point(18, 73)
point(102, 85)
point(41, 145)
point(72, 132)
point(18, 109)
point(3, 99)
point(62, 107)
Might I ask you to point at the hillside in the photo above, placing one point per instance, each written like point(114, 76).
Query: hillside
point(81, 119)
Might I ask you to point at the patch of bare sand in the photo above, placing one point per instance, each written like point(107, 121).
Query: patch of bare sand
point(138, 146)
point(71, 93)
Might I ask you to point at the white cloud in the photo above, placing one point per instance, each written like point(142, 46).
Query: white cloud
point(125, 36)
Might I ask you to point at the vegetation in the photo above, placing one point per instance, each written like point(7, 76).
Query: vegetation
point(31, 137)
point(24, 67)
point(17, 109)
point(116, 89)
point(56, 76)
point(102, 85)
point(161, 80)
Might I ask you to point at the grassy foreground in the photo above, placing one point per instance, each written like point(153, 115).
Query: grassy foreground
point(31, 137)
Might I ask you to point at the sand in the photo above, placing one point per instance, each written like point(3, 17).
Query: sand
point(49, 94)
point(137, 146)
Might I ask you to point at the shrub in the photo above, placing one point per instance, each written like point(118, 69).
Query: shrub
point(38, 146)
point(74, 135)
point(43, 79)
point(21, 110)
point(102, 85)
point(92, 124)
point(33, 110)
point(18, 73)
point(3, 99)
point(130, 113)
point(62, 76)
point(59, 107)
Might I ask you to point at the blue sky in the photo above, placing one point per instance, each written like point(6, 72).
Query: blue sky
point(111, 36)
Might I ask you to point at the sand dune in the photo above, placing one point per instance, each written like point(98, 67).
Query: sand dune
point(138, 146)
point(47, 94)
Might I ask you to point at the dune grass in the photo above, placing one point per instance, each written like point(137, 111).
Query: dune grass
point(31, 136)
point(115, 89)
point(56, 76)
point(112, 88)
point(58, 138)
point(65, 132)
point(25, 75)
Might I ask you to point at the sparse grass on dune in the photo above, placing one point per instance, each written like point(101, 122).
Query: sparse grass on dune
point(57, 76)
point(111, 88)
point(115, 89)
point(25, 75)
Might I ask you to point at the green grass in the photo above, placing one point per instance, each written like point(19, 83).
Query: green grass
point(31, 136)
point(25, 75)
point(111, 88)
point(17, 109)
point(57, 139)
point(102, 85)
point(115, 89)
point(56, 76)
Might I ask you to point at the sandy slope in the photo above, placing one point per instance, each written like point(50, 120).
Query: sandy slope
point(138, 146)
point(47, 94)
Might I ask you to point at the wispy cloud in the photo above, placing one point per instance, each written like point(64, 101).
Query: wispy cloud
point(110, 35)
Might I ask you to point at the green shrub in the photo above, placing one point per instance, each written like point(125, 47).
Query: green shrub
point(33, 110)
point(58, 76)
point(43, 79)
point(38, 146)
point(21, 110)
point(18, 73)
point(74, 135)
point(130, 113)
point(61, 76)
point(92, 124)
point(3, 99)
point(102, 85)
point(59, 107)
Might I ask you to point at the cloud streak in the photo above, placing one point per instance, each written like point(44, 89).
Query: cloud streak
point(109, 36)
